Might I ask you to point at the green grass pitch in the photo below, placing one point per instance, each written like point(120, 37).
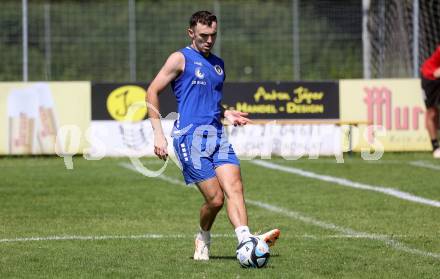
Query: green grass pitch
point(103, 220)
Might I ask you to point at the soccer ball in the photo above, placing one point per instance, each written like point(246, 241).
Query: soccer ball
point(253, 253)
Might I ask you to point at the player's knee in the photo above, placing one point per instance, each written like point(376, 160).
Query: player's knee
point(217, 202)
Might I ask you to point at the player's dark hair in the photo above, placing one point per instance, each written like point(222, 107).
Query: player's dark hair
point(203, 17)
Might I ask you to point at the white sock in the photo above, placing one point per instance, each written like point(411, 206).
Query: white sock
point(204, 235)
point(242, 232)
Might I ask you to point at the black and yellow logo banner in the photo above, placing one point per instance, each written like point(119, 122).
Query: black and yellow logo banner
point(262, 100)
point(125, 101)
point(285, 100)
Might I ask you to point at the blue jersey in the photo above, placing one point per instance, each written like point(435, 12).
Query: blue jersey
point(198, 92)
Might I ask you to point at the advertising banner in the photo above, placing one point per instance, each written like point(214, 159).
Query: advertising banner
point(118, 125)
point(284, 100)
point(394, 106)
point(115, 131)
point(288, 141)
point(264, 100)
point(111, 101)
point(32, 113)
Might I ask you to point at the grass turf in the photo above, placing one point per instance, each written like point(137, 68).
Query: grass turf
point(40, 198)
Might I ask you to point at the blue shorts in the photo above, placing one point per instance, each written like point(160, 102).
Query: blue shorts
point(201, 154)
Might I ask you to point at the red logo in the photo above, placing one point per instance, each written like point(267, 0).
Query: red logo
point(380, 110)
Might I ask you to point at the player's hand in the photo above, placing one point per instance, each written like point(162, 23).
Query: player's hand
point(161, 146)
point(237, 118)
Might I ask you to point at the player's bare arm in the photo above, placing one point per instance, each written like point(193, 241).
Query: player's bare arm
point(170, 71)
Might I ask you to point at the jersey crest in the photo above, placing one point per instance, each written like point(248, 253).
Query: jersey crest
point(218, 70)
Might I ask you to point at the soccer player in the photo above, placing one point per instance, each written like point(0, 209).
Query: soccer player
point(208, 160)
point(431, 87)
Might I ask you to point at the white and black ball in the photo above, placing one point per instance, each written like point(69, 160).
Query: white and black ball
point(253, 253)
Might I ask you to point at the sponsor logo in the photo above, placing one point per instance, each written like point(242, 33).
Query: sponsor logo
point(382, 112)
point(200, 82)
point(198, 63)
point(199, 74)
point(218, 70)
point(120, 100)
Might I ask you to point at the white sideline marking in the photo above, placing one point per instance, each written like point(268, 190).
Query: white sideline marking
point(332, 161)
point(78, 237)
point(107, 237)
point(172, 236)
point(164, 236)
point(425, 165)
point(349, 183)
point(344, 231)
